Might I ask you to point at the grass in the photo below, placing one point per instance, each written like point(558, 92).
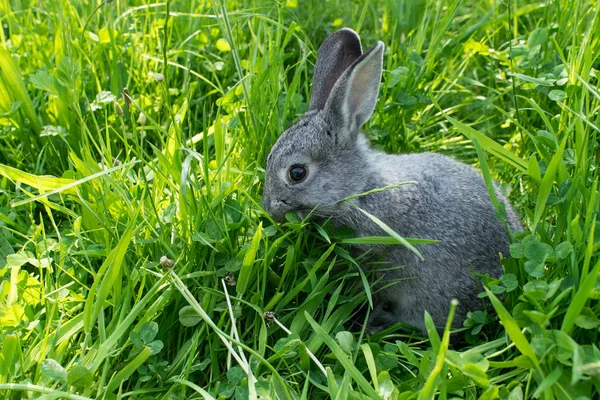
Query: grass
point(136, 260)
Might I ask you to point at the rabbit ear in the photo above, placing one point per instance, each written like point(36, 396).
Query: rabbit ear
point(353, 98)
point(336, 54)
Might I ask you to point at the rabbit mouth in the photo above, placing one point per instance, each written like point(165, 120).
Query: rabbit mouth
point(279, 208)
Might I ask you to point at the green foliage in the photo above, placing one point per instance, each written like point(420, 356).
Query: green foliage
point(136, 260)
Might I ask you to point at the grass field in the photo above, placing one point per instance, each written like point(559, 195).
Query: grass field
point(137, 262)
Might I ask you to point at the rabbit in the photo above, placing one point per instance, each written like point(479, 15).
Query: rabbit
point(324, 158)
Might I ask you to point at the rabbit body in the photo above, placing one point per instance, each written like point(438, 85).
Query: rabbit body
point(324, 159)
point(450, 203)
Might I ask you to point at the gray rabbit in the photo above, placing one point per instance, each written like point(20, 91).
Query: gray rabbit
point(324, 158)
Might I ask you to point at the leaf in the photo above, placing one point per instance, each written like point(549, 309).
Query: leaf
point(490, 394)
point(12, 316)
point(537, 81)
point(387, 391)
point(52, 369)
point(169, 213)
point(587, 319)
point(102, 98)
point(226, 391)
point(476, 374)
point(346, 340)
point(537, 38)
point(93, 36)
point(557, 95)
point(408, 353)
point(300, 286)
point(538, 251)
point(51, 130)
point(223, 45)
point(202, 238)
point(135, 339)
point(536, 317)
point(233, 265)
point(548, 381)
point(516, 250)
point(16, 260)
point(188, 316)
point(416, 59)
point(43, 80)
point(476, 358)
point(287, 343)
point(533, 169)
point(534, 268)
point(148, 332)
point(386, 362)
point(537, 285)
point(516, 393)
point(155, 346)
point(496, 289)
point(79, 376)
point(235, 374)
point(509, 281)
point(104, 35)
point(396, 75)
point(563, 250)
point(546, 138)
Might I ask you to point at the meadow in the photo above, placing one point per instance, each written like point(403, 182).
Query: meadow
point(137, 262)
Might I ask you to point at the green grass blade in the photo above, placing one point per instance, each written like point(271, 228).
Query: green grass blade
point(580, 297)
point(11, 79)
point(512, 329)
point(547, 182)
point(368, 353)
point(28, 387)
point(489, 145)
point(389, 231)
point(385, 240)
point(198, 389)
point(248, 261)
point(67, 188)
point(430, 386)
point(41, 183)
point(105, 278)
point(342, 358)
point(128, 369)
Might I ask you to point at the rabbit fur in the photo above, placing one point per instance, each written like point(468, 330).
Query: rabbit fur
point(448, 200)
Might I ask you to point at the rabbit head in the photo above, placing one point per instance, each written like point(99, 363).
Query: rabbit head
point(323, 158)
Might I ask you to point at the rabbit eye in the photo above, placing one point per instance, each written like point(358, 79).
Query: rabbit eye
point(297, 173)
